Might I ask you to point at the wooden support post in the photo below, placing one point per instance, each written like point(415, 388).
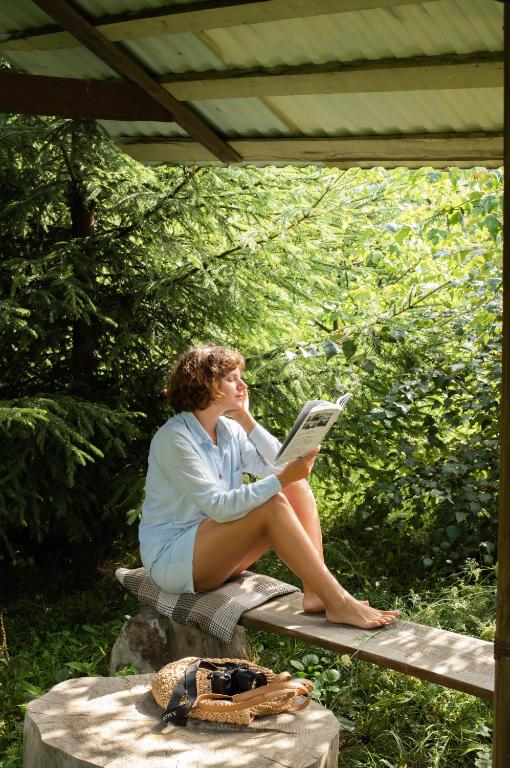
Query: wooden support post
point(129, 69)
point(501, 750)
point(76, 98)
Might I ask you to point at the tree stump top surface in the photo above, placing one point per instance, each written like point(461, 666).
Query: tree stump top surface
point(115, 722)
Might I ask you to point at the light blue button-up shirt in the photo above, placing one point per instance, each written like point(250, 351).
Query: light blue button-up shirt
point(190, 478)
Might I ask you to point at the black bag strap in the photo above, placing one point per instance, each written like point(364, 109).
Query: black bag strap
point(177, 709)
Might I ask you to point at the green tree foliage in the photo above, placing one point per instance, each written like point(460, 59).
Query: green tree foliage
point(413, 328)
point(108, 269)
point(385, 283)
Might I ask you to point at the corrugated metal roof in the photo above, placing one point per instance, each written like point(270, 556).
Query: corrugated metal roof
point(175, 53)
point(430, 28)
point(388, 113)
point(21, 14)
point(98, 8)
point(137, 128)
point(68, 62)
point(237, 117)
point(447, 26)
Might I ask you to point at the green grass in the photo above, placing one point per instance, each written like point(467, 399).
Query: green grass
point(53, 631)
point(61, 629)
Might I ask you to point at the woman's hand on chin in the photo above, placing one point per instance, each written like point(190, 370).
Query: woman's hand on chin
point(239, 413)
point(242, 414)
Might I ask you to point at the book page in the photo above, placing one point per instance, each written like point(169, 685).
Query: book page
point(305, 410)
point(309, 435)
point(311, 426)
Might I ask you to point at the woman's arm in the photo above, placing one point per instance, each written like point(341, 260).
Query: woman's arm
point(185, 470)
point(258, 447)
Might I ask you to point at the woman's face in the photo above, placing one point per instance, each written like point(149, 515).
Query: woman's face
point(234, 391)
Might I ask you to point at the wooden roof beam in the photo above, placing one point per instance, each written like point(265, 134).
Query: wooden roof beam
point(130, 70)
point(408, 150)
point(480, 70)
point(72, 98)
point(193, 17)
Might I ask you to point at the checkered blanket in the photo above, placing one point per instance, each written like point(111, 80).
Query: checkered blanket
point(216, 612)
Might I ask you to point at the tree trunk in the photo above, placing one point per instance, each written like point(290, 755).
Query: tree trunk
point(114, 722)
point(83, 225)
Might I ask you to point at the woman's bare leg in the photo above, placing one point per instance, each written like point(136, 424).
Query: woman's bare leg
point(257, 551)
point(221, 547)
point(303, 503)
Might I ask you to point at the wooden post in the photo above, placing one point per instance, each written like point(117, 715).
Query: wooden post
point(501, 749)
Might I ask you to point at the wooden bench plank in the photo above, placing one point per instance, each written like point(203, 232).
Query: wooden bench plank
point(447, 658)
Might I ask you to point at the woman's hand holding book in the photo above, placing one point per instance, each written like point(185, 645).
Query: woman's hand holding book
point(298, 469)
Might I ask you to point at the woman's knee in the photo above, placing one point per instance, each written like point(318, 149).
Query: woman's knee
point(300, 488)
point(276, 505)
point(278, 501)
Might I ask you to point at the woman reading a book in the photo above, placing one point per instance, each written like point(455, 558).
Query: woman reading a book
point(201, 525)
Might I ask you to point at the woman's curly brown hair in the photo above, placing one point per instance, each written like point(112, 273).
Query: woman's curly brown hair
point(194, 381)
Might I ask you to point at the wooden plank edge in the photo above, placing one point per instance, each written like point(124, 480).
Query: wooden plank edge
point(385, 75)
point(501, 734)
point(435, 150)
point(192, 17)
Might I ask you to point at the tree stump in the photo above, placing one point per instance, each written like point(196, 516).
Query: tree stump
point(150, 640)
point(114, 722)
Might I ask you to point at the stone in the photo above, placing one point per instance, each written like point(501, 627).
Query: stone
point(150, 640)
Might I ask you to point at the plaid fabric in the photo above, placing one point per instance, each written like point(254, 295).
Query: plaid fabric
point(216, 612)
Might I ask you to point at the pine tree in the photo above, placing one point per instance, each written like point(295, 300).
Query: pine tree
point(109, 269)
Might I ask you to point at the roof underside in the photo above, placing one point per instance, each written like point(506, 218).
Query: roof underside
point(336, 82)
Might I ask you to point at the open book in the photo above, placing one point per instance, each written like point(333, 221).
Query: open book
point(311, 426)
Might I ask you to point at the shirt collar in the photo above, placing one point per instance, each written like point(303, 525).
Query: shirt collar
point(222, 429)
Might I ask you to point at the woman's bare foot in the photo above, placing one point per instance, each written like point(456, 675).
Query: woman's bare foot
point(312, 603)
point(351, 611)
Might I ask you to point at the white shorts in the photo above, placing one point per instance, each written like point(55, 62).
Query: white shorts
point(173, 570)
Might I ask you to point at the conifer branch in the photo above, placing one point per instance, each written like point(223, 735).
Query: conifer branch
point(224, 255)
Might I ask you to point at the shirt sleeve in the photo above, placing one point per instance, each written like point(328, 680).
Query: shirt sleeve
point(258, 451)
point(186, 472)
